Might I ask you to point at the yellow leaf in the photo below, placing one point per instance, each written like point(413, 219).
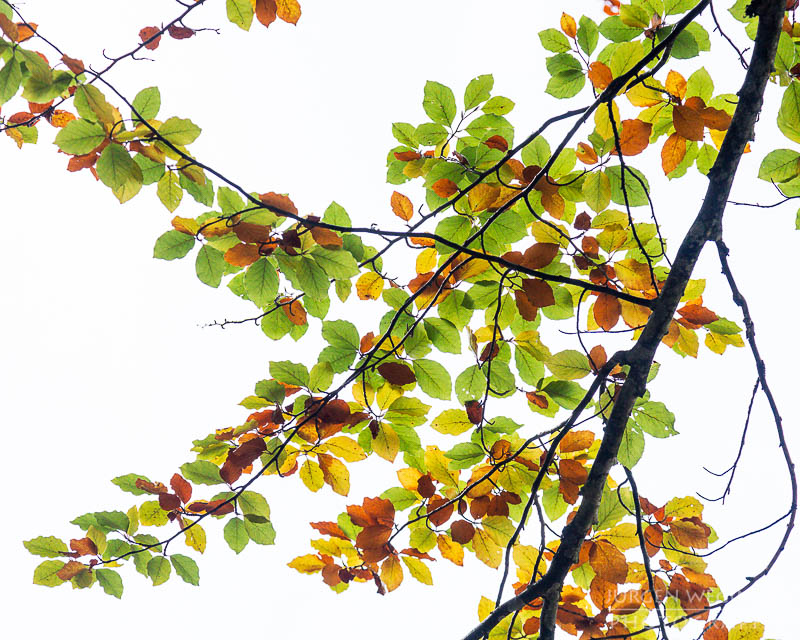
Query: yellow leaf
point(387, 394)
point(402, 208)
point(687, 507)
point(418, 569)
point(409, 478)
point(688, 342)
point(289, 462)
point(634, 315)
point(307, 564)
point(485, 607)
point(676, 84)
point(746, 631)
point(387, 443)
point(450, 550)
point(602, 122)
point(486, 549)
point(623, 536)
point(437, 465)
point(189, 226)
point(311, 475)
point(335, 474)
point(392, 573)
point(369, 286)
point(288, 10)
point(363, 394)
point(196, 538)
point(645, 96)
point(345, 448)
point(482, 197)
point(452, 422)
point(426, 260)
point(525, 558)
point(634, 275)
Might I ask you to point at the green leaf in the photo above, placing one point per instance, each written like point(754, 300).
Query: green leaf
point(530, 370)
point(173, 244)
point(617, 31)
point(261, 283)
point(566, 394)
point(433, 379)
point(553, 40)
point(430, 133)
point(700, 84)
point(110, 581)
point(439, 103)
point(400, 498)
point(465, 455)
point(254, 504)
point(179, 131)
point(10, 79)
point(336, 264)
point(470, 384)
point(632, 446)
point(235, 534)
point(404, 134)
point(79, 137)
point(158, 570)
point(289, 373)
point(498, 106)
point(46, 547)
point(341, 334)
point(636, 186)
point(335, 214)
point(569, 365)
point(478, 90)
point(452, 422)
point(780, 165)
point(443, 334)
point(201, 472)
point(186, 568)
point(587, 35)
point(116, 168)
point(554, 505)
point(147, 103)
point(128, 483)
point(537, 152)
point(45, 573)
point(240, 13)
point(655, 419)
point(321, 377)
point(169, 190)
point(596, 190)
point(611, 509)
point(210, 265)
point(151, 514)
point(260, 532)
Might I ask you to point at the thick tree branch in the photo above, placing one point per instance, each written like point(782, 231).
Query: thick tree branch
point(706, 227)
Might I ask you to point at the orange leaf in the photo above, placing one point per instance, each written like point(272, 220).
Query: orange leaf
point(266, 11)
point(602, 592)
point(627, 602)
point(597, 357)
point(568, 25)
point(715, 119)
point(326, 237)
point(482, 197)
point(73, 64)
point(83, 546)
point(716, 631)
point(181, 487)
point(653, 538)
point(26, 31)
point(147, 33)
point(497, 142)
point(9, 28)
point(688, 122)
point(401, 206)
point(241, 255)
point(607, 310)
point(539, 400)
point(676, 84)
point(373, 536)
point(635, 137)
point(586, 153)
point(608, 562)
point(698, 314)
point(279, 201)
point(444, 188)
point(329, 529)
point(397, 373)
point(573, 471)
point(76, 163)
point(294, 311)
point(60, 118)
point(600, 75)
point(690, 533)
point(540, 294)
point(672, 152)
point(576, 441)
point(288, 10)
point(252, 233)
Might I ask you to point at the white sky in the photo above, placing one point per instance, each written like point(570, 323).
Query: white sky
point(107, 369)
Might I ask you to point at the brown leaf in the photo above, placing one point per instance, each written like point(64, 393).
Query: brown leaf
point(497, 142)
point(634, 137)
point(147, 33)
point(401, 206)
point(672, 152)
point(474, 411)
point(524, 306)
point(627, 602)
point(9, 28)
point(180, 33)
point(397, 373)
point(83, 546)
point(335, 411)
point(288, 10)
point(168, 501)
point(444, 188)
point(71, 569)
point(266, 11)
point(608, 562)
point(537, 399)
point(716, 631)
point(573, 471)
point(590, 246)
point(326, 237)
point(379, 510)
point(597, 357)
point(242, 255)
point(715, 119)
point(688, 123)
point(76, 163)
point(445, 510)
point(539, 255)
point(150, 487)
point(373, 536)
point(462, 531)
point(583, 222)
point(600, 75)
point(73, 64)
point(607, 311)
point(252, 233)
point(246, 453)
point(540, 294)
point(329, 529)
point(330, 574)
point(279, 201)
point(425, 486)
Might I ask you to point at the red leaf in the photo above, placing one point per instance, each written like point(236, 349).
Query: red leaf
point(474, 411)
point(146, 34)
point(539, 255)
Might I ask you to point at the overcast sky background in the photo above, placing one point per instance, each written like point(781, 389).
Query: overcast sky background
point(109, 370)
